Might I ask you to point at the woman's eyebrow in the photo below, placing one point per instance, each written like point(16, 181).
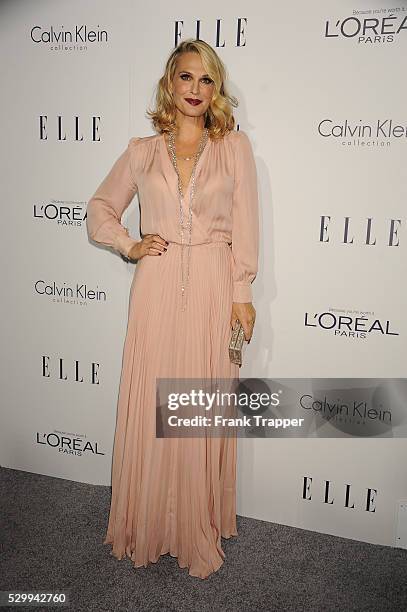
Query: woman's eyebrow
point(187, 71)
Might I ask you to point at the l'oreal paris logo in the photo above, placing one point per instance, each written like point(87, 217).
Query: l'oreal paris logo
point(76, 445)
point(373, 26)
point(348, 325)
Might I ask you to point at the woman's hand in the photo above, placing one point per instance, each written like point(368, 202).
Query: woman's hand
point(246, 314)
point(151, 244)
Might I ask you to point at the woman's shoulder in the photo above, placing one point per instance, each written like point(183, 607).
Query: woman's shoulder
point(238, 143)
point(236, 138)
point(236, 134)
point(137, 141)
point(139, 149)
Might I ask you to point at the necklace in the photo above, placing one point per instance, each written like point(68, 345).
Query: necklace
point(188, 226)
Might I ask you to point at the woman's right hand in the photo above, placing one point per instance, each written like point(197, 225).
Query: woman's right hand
point(150, 244)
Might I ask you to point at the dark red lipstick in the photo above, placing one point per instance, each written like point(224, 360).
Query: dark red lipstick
point(193, 102)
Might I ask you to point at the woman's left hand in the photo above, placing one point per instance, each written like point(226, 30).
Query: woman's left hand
point(246, 314)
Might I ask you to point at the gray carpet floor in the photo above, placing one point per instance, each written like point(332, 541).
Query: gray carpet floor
point(51, 538)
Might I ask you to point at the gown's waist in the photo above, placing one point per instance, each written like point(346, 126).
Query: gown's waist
point(185, 278)
point(212, 243)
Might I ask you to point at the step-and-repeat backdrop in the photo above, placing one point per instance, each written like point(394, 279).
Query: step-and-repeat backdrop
point(322, 98)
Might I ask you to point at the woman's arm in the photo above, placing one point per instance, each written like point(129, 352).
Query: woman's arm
point(110, 200)
point(245, 220)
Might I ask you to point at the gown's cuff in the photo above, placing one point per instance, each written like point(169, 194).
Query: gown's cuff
point(125, 243)
point(242, 292)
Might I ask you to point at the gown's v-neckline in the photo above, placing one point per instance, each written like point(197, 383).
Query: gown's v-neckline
point(186, 194)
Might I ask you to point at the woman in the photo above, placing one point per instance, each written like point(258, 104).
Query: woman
point(197, 186)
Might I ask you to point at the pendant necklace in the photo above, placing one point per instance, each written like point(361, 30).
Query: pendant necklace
point(191, 186)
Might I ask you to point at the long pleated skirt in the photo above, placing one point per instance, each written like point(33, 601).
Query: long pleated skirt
point(173, 495)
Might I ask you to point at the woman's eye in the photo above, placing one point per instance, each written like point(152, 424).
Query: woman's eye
point(207, 80)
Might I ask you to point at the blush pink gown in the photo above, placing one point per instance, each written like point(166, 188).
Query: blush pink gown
point(177, 495)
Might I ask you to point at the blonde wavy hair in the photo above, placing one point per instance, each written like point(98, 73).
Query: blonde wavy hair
point(219, 117)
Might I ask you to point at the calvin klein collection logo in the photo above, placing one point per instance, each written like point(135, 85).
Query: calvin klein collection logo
point(76, 445)
point(370, 27)
point(367, 499)
point(359, 232)
point(60, 369)
point(62, 293)
point(379, 133)
point(350, 410)
point(350, 324)
point(73, 39)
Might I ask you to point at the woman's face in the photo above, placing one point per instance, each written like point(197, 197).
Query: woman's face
point(190, 82)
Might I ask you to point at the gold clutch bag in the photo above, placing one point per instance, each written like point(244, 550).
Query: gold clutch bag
point(237, 344)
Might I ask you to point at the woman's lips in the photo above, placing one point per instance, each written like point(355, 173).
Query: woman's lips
point(193, 102)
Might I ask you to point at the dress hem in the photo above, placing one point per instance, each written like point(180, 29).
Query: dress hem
point(181, 564)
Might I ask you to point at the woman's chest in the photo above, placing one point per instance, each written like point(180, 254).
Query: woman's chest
point(212, 184)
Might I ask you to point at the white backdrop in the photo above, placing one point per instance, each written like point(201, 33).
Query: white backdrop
point(306, 78)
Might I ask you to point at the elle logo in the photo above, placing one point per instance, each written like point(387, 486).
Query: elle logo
point(238, 41)
point(60, 371)
point(75, 132)
point(389, 235)
point(367, 501)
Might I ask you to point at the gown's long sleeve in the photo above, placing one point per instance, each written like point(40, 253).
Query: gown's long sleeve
point(245, 220)
point(108, 203)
